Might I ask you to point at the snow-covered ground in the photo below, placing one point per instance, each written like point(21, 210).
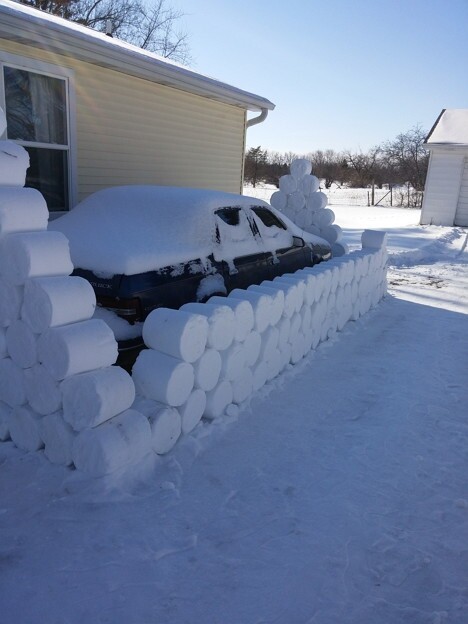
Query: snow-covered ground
point(337, 496)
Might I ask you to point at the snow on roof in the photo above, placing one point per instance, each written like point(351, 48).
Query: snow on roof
point(134, 229)
point(451, 128)
point(43, 30)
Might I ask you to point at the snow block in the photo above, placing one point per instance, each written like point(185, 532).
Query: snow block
point(42, 390)
point(166, 427)
point(55, 301)
point(25, 429)
point(90, 399)
point(58, 439)
point(178, 333)
point(22, 210)
point(118, 443)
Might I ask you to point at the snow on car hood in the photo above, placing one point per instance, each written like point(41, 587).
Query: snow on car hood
point(134, 229)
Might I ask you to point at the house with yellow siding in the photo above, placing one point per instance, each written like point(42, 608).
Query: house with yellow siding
point(94, 111)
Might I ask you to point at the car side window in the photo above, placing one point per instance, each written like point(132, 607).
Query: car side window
point(268, 218)
point(230, 216)
point(234, 234)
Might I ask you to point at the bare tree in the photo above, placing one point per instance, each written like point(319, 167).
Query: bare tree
point(363, 166)
point(255, 165)
point(327, 165)
point(149, 26)
point(408, 158)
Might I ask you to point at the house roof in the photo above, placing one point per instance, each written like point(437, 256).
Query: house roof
point(450, 128)
point(39, 29)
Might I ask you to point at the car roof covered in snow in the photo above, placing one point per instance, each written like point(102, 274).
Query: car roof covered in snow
point(451, 128)
point(134, 229)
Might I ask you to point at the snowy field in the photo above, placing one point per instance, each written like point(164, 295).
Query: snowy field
point(338, 496)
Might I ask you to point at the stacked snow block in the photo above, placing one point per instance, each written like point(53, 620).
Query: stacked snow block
point(300, 200)
point(58, 388)
point(206, 356)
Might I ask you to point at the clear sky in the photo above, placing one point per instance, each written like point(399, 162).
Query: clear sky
point(344, 74)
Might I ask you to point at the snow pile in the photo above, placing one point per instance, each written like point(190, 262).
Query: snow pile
point(300, 199)
point(205, 357)
point(58, 388)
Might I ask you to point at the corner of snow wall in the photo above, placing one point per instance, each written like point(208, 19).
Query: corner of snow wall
point(58, 389)
point(265, 329)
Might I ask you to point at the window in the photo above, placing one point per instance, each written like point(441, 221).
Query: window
point(230, 216)
point(37, 112)
point(268, 218)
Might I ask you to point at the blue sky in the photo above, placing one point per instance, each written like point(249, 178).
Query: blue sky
point(344, 74)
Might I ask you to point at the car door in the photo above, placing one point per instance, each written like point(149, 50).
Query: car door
point(286, 253)
point(240, 248)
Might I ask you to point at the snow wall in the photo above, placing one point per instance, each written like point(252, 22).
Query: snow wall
point(59, 390)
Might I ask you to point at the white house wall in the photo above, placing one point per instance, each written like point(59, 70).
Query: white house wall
point(132, 131)
point(461, 216)
point(442, 186)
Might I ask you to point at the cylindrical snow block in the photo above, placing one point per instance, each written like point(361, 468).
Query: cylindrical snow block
point(163, 378)
point(296, 202)
point(296, 322)
point(300, 167)
point(58, 439)
point(297, 283)
point(221, 323)
point(317, 202)
point(284, 329)
point(5, 416)
point(77, 348)
point(287, 184)
point(192, 410)
point(25, 429)
point(11, 299)
point(233, 361)
point(217, 400)
point(207, 370)
point(21, 344)
point(373, 239)
point(54, 301)
point(166, 427)
point(117, 443)
point(270, 340)
point(259, 375)
point(12, 389)
point(261, 304)
point(42, 390)
point(331, 233)
point(22, 209)
point(14, 162)
point(274, 364)
point(243, 312)
point(176, 332)
point(297, 348)
point(339, 249)
point(277, 295)
point(90, 399)
point(325, 218)
point(279, 200)
point(309, 184)
point(242, 387)
point(34, 254)
point(252, 346)
point(290, 292)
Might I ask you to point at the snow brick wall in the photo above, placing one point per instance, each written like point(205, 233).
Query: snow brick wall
point(207, 356)
point(59, 390)
point(300, 200)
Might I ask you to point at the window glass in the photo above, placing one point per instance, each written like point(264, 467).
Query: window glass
point(268, 218)
point(230, 216)
point(35, 107)
point(48, 173)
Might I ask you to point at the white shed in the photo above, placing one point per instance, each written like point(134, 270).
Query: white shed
point(446, 191)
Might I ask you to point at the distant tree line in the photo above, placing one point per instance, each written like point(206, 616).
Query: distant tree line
point(400, 161)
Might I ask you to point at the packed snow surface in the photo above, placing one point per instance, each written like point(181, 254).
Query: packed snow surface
point(337, 495)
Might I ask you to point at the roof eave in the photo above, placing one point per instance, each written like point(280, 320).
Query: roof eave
point(55, 38)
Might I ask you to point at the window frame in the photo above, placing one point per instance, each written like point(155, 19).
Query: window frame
point(68, 76)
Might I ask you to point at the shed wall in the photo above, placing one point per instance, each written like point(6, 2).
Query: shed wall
point(132, 131)
point(442, 187)
point(461, 216)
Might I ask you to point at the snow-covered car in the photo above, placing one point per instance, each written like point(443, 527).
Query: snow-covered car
point(143, 247)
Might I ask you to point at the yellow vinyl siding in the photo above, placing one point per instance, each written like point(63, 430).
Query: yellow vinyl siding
point(132, 131)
